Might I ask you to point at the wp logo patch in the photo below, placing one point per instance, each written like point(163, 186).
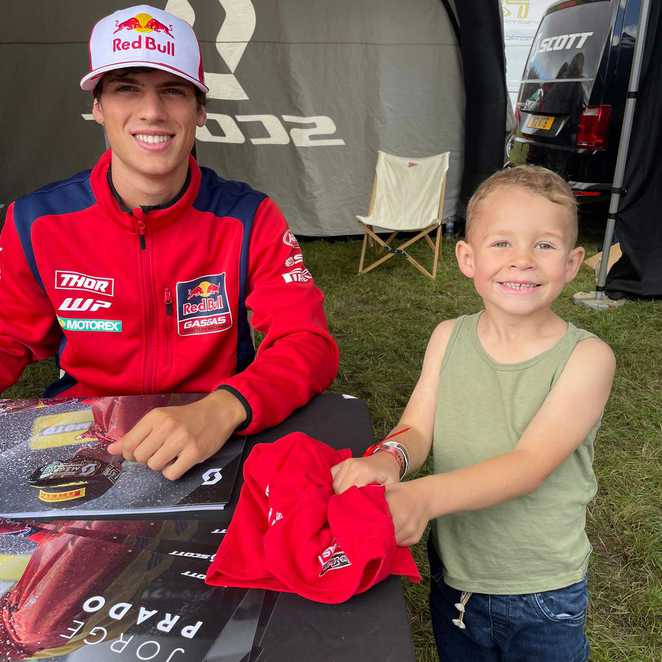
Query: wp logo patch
point(203, 306)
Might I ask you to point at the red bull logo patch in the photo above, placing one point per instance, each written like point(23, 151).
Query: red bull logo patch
point(143, 24)
point(202, 306)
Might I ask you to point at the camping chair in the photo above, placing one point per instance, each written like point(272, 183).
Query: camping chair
point(407, 195)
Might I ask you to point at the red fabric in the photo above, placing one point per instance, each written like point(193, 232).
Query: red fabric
point(292, 533)
point(201, 234)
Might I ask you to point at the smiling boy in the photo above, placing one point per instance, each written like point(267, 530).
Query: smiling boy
point(510, 400)
point(140, 275)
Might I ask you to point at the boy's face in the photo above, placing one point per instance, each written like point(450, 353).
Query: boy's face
point(519, 251)
point(150, 120)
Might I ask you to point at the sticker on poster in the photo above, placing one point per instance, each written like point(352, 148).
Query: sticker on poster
point(64, 429)
point(203, 306)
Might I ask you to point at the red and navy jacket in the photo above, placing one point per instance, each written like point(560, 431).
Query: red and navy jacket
point(157, 301)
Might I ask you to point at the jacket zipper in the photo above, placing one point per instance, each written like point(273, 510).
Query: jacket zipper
point(150, 314)
point(167, 337)
point(141, 231)
point(167, 300)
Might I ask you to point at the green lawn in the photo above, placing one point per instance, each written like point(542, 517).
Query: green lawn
point(382, 321)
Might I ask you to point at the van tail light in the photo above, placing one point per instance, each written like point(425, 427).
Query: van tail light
point(593, 127)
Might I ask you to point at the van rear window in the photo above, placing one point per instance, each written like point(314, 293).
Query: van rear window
point(570, 41)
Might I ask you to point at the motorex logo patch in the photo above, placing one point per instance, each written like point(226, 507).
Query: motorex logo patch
point(202, 306)
point(105, 326)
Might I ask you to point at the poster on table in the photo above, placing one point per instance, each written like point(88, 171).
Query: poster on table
point(54, 462)
point(69, 597)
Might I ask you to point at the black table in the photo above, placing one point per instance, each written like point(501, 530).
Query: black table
point(94, 599)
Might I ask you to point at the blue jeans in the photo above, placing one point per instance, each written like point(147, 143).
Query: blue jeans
point(532, 627)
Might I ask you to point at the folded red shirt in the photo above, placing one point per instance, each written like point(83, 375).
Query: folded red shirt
point(291, 532)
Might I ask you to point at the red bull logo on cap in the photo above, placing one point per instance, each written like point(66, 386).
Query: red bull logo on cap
point(202, 305)
point(143, 24)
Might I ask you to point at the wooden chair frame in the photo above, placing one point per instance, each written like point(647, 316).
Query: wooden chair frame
point(372, 238)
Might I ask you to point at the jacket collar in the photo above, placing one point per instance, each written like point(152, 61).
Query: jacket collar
point(155, 216)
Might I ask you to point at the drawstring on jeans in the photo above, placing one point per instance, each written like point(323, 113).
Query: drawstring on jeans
point(464, 598)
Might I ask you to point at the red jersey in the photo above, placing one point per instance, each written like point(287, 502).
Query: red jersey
point(162, 299)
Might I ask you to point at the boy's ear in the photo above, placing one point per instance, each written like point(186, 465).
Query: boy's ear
point(575, 259)
point(465, 258)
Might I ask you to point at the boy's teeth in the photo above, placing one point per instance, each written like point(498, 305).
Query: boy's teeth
point(152, 139)
point(519, 286)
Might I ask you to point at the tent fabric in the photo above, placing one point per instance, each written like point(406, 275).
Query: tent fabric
point(483, 64)
point(638, 273)
point(302, 96)
point(407, 191)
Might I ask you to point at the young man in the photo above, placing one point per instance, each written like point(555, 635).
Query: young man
point(139, 274)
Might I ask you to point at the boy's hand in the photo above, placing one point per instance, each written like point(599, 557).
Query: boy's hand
point(408, 504)
point(381, 468)
point(173, 439)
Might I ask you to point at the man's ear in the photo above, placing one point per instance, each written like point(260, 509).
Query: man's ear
point(202, 116)
point(465, 258)
point(97, 111)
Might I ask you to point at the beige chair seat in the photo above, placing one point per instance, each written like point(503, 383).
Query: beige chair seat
point(407, 196)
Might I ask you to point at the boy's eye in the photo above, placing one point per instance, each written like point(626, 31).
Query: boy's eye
point(546, 245)
point(500, 244)
point(174, 91)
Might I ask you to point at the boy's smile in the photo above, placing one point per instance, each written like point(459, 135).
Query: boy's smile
point(519, 251)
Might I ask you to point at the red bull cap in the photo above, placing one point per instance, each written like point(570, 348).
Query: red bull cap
point(144, 36)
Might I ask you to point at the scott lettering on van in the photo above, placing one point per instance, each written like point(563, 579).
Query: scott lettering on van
point(563, 42)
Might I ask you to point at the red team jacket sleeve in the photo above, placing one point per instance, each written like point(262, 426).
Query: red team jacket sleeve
point(28, 326)
point(297, 357)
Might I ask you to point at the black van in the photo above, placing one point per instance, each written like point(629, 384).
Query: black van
point(571, 100)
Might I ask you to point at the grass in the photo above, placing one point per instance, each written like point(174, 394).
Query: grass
point(382, 321)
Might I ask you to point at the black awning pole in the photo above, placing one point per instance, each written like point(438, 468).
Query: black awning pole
point(621, 159)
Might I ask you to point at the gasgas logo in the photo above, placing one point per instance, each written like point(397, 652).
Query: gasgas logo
point(202, 306)
point(143, 24)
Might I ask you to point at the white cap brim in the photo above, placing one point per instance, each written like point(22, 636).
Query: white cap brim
point(89, 82)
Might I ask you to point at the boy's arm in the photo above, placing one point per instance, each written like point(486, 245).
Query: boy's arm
point(573, 406)
point(413, 431)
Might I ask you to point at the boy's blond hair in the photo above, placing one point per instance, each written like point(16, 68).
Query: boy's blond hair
point(535, 179)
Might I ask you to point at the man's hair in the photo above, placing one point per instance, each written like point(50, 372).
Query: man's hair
point(200, 96)
point(535, 179)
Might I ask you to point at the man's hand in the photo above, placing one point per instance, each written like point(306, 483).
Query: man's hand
point(381, 468)
point(173, 439)
point(408, 503)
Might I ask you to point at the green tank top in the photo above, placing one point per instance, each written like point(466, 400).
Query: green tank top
point(533, 543)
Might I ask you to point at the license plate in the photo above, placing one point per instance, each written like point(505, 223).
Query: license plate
point(538, 122)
